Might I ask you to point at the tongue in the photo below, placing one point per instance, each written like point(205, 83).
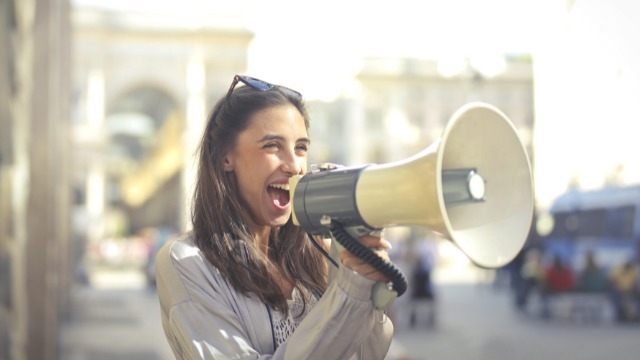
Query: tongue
point(278, 197)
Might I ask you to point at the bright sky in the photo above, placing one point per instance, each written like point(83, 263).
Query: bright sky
point(587, 81)
point(321, 43)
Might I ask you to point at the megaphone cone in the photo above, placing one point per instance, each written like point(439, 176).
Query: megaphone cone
point(473, 186)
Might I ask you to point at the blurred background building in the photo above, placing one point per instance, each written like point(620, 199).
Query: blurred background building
point(101, 110)
point(142, 86)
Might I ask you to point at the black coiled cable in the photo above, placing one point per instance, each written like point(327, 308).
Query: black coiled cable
point(356, 248)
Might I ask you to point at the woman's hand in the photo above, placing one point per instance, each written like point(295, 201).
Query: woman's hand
point(379, 246)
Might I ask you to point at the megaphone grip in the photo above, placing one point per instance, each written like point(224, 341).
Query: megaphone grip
point(396, 276)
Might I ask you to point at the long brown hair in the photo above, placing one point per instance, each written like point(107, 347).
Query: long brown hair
point(220, 221)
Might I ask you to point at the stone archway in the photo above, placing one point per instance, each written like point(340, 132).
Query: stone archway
point(134, 119)
point(143, 153)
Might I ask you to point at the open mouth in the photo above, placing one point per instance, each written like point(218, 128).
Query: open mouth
point(279, 194)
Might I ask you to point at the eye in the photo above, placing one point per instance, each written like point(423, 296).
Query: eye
point(272, 145)
point(302, 147)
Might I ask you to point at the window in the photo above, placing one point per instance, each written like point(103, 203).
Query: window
point(603, 222)
point(591, 222)
point(619, 222)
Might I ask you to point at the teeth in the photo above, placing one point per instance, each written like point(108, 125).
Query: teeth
point(281, 186)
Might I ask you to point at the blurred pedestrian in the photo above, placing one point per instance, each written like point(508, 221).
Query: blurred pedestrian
point(624, 290)
point(532, 275)
point(559, 278)
point(592, 278)
point(246, 282)
point(421, 286)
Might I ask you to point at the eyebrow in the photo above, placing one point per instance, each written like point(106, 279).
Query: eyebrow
point(270, 137)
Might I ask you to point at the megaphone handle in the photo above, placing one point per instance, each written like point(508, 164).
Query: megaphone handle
point(382, 294)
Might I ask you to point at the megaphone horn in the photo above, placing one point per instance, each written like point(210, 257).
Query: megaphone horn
point(473, 186)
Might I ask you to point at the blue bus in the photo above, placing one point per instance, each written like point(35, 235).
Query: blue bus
point(605, 221)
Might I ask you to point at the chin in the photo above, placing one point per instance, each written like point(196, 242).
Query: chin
point(280, 221)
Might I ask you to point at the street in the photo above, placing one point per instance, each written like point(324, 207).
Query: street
point(118, 318)
point(479, 322)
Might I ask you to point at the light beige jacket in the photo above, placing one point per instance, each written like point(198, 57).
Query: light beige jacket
point(205, 318)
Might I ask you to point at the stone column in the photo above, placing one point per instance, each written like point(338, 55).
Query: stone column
point(195, 123)
point(47, 216)
point(34, 173)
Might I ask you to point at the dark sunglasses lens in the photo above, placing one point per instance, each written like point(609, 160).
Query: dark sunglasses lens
point(257, 84)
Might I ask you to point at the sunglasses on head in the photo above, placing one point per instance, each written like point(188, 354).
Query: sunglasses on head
point(259, 85)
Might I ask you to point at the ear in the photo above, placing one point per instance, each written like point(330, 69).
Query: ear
point(228, 163)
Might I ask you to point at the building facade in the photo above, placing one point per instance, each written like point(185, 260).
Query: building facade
point(143, 85)
point(402, 105)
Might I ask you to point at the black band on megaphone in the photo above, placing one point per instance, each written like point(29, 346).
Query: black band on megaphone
point(327, 193)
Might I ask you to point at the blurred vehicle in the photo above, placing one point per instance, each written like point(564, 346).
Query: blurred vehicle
point(602, 224)
point(605, 222)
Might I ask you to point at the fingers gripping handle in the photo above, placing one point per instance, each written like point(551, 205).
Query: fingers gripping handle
point(382, 293)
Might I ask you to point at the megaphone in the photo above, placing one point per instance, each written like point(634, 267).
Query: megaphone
point(473, 186)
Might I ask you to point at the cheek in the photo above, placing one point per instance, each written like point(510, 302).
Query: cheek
point(248, 191)
point(303, 161)
point(252, 175)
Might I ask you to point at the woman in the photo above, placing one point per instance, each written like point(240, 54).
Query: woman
point(246, 283)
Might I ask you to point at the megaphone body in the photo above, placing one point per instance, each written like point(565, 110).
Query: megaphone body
point(473, 186)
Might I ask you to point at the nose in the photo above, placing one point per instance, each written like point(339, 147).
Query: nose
point(293, 164)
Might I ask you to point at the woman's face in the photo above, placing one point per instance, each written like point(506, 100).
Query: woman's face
point(272, 149)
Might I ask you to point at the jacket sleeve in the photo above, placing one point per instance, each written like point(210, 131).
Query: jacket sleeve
point(343, 323)
point(202, 319)
point(199, 317)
